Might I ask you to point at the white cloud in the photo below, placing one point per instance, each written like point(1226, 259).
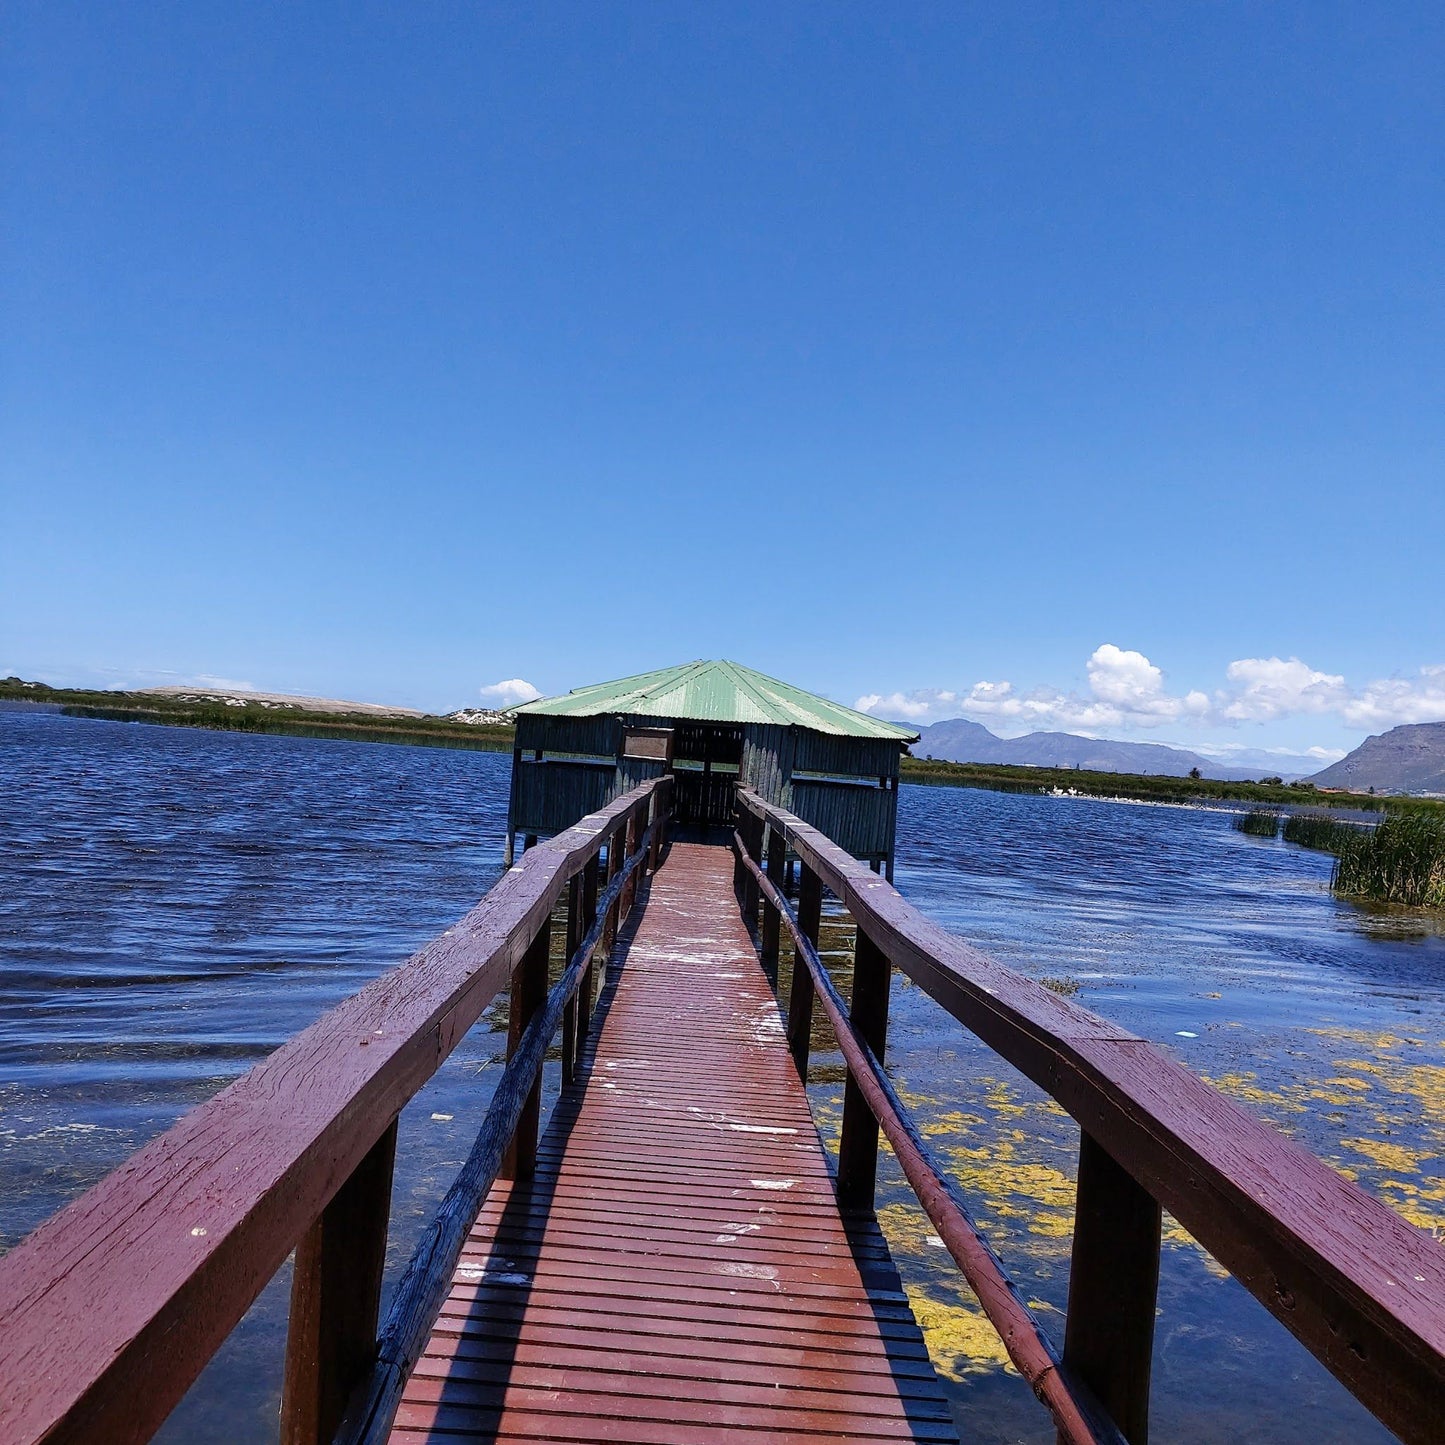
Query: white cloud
point(510, 692)
point(1394, 700)
point(220, 684)
point(1127, 690)
point(911, 706)
point(1265, 688)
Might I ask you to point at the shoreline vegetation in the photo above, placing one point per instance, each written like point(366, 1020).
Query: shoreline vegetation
point(1399, 860)
point(238, 715)
point(1155, 787)
point(250, 716)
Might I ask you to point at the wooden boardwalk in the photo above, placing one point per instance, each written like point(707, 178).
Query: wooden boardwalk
point(677, 1269)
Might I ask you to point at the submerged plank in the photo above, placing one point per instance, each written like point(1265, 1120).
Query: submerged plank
point(677, 1268)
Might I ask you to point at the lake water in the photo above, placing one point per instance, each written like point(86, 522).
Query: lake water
point(174, 904)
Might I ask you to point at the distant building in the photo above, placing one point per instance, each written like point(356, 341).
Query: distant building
point(710, 724)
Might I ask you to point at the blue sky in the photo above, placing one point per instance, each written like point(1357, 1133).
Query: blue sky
point(1061, 365)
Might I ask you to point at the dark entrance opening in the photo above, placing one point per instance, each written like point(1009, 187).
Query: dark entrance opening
point(706, 759)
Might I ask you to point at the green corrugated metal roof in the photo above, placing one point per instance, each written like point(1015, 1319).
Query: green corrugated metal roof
point(717, 692)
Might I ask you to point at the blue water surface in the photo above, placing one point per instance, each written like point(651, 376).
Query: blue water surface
point(174, 904)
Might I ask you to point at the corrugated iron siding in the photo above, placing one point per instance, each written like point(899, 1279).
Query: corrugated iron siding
point(599, 737)
point(768, 761)
point(848, 757)
point(854, 816)
point(551, 796)
point(631, 772)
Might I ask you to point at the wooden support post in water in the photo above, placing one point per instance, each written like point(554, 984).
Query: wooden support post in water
point(777, 853)
point(1113, 1284)
point(858, 1145)
point(800, 996)
point(569, 1013)
point(529, 993)
point(589, 917)
point(335, 1295)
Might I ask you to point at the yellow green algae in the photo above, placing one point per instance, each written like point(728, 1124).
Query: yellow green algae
point(1013, 1155)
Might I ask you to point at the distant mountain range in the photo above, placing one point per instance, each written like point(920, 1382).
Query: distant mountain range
point(1407, 759)
point(959, 741)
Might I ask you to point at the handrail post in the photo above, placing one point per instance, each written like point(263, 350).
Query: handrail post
point(609, 932)
point(1113, 1285)
point(868, 1011)
point(589, 917)
point(777, 852)
point(800, 996)
point(569, 1013)
point(629, 889)
point(335, 1299)
point(659, 819)
point(752, 835)
point(529, 993)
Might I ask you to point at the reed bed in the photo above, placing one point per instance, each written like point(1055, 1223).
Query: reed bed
point(1401, 861)
point(1258, 823)
point(1315, 830)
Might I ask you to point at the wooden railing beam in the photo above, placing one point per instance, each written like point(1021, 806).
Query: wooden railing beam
point(1080, 1419)
point(1113, 1289)
point(1352, 1280)
point(197, 1221)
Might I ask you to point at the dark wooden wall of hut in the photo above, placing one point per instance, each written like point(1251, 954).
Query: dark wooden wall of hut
point(564, 768)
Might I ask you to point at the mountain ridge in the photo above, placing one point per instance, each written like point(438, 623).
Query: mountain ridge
point(1406, 759)
point(958, 740)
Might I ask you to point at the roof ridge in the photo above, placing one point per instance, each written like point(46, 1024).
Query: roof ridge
point(738, 672)
point(828, 702)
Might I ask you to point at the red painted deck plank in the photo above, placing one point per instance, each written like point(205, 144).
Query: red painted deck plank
point(678, 1269)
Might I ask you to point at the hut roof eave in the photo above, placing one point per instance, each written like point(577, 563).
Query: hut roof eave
point(718, 691)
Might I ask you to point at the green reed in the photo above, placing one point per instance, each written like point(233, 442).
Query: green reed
point(1315, 830)
point(1401, 861)
point(1258, 823)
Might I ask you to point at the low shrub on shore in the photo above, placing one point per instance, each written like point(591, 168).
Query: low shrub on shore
point(1258, 823)
point(1400, 861)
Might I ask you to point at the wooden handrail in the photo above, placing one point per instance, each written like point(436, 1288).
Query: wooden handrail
point(1362, 1289)
point(198, 1221)
point(428, 1275)
point(1079, 1418)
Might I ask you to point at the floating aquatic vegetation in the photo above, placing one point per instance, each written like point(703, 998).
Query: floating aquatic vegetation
point(1064, 987)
